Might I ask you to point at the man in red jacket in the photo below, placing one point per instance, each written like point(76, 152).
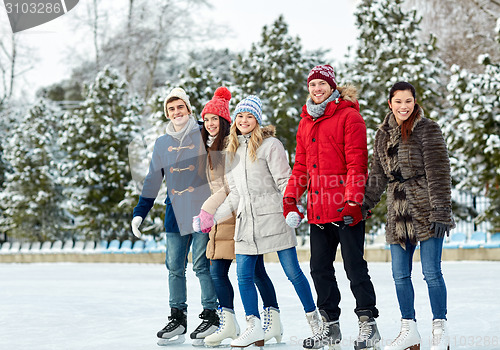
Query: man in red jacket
point(331, 162)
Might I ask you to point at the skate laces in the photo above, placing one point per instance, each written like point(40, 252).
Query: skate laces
point(314, 322)
point(266, 315)
point(174, 322)
point(208, 317)
point(405, 329)
point(365, 329)
point(437, 331)
point(222, 320)
point(323, 332)
point(249, 327)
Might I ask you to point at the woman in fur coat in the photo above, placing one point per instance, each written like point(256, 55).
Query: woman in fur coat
point(411, 161)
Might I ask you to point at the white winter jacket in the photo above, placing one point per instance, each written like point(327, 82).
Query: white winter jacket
point(256, 193)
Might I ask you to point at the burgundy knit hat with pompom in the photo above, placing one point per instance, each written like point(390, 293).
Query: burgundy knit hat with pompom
point(219, 104)
point(324, 72)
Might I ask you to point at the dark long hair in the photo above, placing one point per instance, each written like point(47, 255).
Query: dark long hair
point(215, 151)
point(407, 126)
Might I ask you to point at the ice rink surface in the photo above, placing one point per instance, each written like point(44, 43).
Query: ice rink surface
point(72, 306)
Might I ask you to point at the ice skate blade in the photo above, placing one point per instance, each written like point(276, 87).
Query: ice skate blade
point(273, 345)
point(217, 346)
point(374, 347)
point(179, 339)
point(198, 343)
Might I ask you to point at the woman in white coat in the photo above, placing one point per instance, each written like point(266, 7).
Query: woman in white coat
point(257, 172)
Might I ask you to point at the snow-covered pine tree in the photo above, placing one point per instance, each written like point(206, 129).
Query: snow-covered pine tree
point(275, 69)
point(208, 69)
point(474, 133)
point(7, 120)
point(32, 199)
point(97, 170)
point(199, 84)
point(389, 50)
point(140, 152)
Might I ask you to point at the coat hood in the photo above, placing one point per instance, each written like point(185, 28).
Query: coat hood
point(269, 131)
point(348, 93)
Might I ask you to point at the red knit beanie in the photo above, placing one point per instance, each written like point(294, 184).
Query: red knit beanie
point(219, 104)
point(324, 72)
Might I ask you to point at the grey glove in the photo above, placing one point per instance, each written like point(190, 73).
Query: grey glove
point(440, 229)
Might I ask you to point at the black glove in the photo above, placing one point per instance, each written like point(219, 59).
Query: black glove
point(351, 214)
point(347, 219)
point(440, 229)
point(366, 212)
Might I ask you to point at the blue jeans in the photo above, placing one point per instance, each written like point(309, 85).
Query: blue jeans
point(176, 261)
point(430, 257)
point(251, 271)
point(219, 270)
point(289, 263)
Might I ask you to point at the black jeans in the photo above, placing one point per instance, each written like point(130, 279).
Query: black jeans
point(324, 242)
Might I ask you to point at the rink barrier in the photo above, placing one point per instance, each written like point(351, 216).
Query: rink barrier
point(151, 251)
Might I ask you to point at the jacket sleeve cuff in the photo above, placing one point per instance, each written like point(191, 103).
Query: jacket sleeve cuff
point(143, 207)
point(442, 215)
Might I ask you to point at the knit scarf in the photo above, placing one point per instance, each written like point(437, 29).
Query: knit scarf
point(179, 135)
point(317, 110)
point(211, 140)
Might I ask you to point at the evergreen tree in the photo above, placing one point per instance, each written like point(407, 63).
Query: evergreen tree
point(199, 84)
point(97, 169)
point(389, 50)
point(208, 69)
point(275, 69)
point(140, 152)
point(32, 200)
point(474, 134)
point(7, 120)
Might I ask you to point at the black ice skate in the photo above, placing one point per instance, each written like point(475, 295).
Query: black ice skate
point(209, 325)
point(369, 337)
point(173, 332)
point(329, 335)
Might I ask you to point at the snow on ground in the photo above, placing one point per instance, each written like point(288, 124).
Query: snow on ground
point(122, 306)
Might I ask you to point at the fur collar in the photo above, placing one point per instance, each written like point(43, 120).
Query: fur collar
point(348, 92)
point(269, 131)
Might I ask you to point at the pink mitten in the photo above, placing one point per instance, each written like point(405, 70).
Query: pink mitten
point(206, 221)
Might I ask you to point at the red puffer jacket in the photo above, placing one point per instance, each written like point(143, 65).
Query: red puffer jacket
point(331, 158)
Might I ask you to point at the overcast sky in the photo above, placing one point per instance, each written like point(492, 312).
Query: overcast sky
point(326, 24)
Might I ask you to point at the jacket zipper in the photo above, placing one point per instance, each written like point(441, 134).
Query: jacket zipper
point(246, 181)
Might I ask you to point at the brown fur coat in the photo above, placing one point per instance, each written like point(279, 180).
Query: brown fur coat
point(417, 177)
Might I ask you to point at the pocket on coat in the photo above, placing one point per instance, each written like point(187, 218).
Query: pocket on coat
point(269, 221)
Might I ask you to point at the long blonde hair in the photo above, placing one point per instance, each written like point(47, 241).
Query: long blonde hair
point(255, 141)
